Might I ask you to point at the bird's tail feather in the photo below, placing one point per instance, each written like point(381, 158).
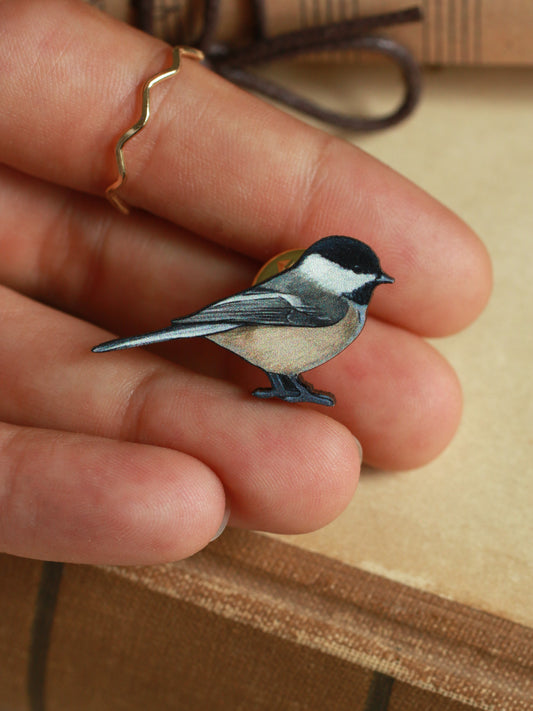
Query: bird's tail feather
point(166, 334)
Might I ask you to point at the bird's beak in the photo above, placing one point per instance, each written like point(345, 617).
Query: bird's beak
point(385, 279)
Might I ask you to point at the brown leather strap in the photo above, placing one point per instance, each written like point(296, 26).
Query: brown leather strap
point(355, 34)
point(348, 34)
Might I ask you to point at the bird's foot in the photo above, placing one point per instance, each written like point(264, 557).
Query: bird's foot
point(264, 393)
point(308, 394)
point(294, 389)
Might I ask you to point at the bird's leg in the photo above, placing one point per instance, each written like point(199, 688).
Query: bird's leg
point(307, 393)
point(293, 388)
point(281, 387)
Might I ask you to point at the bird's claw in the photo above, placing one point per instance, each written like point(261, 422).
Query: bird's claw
point(317, 397)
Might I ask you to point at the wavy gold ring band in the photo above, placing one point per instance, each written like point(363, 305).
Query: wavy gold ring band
point(112, 191)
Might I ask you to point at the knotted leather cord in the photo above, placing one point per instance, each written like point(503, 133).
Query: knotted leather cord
point(354, 34)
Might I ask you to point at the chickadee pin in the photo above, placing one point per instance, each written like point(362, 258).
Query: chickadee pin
point(290, 323)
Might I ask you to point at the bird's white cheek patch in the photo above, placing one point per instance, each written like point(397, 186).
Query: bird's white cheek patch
point(331, 276)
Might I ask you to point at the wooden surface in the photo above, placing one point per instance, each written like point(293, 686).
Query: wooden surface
point(461, 527)
point(249, 623)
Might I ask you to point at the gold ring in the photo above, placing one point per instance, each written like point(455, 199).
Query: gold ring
point(177, 54)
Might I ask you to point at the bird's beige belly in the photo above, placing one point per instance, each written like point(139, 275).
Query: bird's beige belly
point(290, 350)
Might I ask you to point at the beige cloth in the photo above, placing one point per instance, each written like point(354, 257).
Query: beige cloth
point(461, 527)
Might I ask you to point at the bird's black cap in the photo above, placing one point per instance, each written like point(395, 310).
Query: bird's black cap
point(347, 252)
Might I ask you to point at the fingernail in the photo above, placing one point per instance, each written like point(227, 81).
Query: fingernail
point(223, 525)
point(360, 448)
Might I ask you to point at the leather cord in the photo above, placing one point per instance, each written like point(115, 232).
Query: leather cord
point(356, 34)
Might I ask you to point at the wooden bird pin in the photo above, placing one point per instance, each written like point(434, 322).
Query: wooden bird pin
point(290, 323)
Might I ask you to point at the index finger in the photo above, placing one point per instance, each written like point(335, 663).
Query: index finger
point(220, 162)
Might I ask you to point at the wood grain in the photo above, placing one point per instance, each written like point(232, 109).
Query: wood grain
point(255, 623)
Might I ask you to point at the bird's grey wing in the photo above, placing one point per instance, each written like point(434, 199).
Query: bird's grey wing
point(264, 307)
point(252, 307)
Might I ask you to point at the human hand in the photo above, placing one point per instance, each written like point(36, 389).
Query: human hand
point(133, 457)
